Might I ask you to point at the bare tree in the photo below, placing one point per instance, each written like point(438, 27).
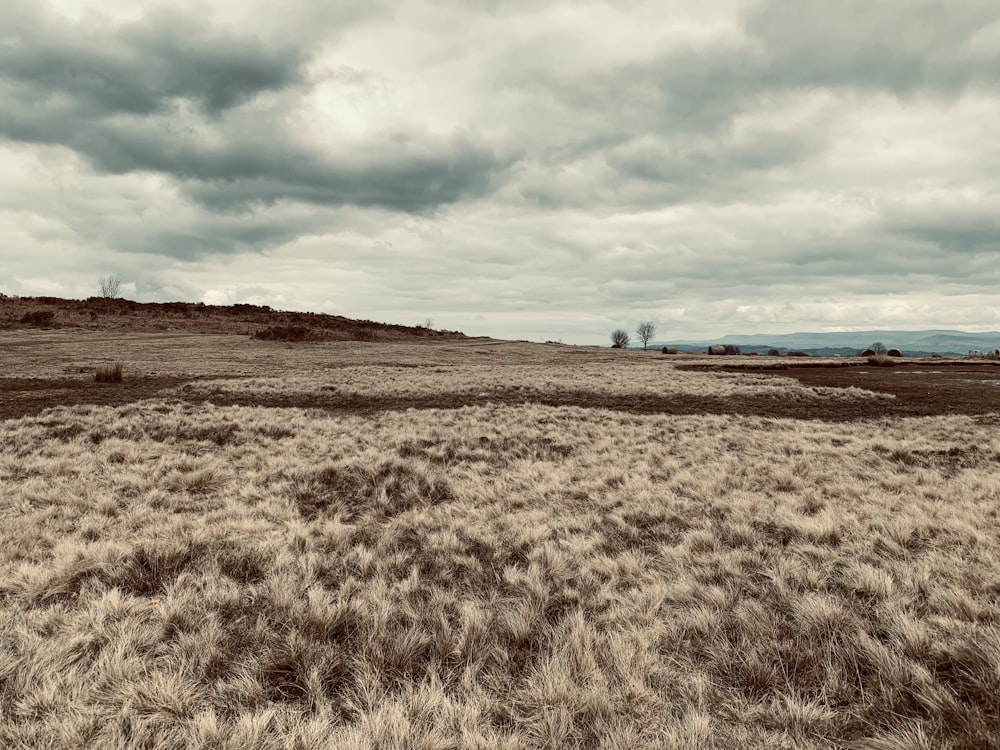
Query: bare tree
point(111, 286)
point(879, 348)
point(619, 339)
point(645, 332)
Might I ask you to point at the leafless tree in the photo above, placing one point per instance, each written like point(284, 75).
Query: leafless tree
point(645, 332)
point(111, 286)
point(879, 348)
point(619, 339)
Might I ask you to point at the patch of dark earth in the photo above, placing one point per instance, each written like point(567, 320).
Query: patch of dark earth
point(967, 390)
point(20, 397)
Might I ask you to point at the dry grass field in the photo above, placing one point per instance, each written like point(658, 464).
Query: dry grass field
point(471, 544)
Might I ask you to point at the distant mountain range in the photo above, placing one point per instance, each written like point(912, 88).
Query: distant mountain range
point(850, 343)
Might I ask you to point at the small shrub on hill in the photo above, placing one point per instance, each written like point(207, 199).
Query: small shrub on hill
point(39, 318)
point(284, 333)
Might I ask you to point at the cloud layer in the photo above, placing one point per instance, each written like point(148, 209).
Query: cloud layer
point(526, 170)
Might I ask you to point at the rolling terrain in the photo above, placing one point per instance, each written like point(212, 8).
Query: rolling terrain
point(460, 543)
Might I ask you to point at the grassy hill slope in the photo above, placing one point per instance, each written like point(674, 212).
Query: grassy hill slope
point(96, 313)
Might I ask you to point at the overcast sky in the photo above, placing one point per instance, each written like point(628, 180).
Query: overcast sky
point(523, 169)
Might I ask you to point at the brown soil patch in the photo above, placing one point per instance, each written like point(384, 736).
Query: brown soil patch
point(919, 391)
point(964, 398)
point(21, 397)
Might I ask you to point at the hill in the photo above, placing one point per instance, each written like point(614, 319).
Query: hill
point(97, 313)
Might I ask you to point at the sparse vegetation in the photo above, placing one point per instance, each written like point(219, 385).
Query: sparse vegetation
point(620, 338)
point(180, 574)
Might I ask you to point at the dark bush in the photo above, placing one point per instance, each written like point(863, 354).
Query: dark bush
point(881, 361)
point(284, 333)
point(797, 354)
point(773, 353)
point(39, 318)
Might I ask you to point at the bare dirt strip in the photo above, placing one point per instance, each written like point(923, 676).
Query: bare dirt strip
point(21, 397)
point(920, 391)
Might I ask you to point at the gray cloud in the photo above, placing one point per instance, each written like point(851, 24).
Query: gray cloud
point(236, 168)
point(394, 178)
point(121, 96)
point(955, 234)
point(139, 67)
point(670, 117)
point(898, 47)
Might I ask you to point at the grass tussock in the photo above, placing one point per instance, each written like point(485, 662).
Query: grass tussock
point(881, 360)
point(496, 577)
point(109, 373)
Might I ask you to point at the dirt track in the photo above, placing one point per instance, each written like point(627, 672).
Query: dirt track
point(920, 390)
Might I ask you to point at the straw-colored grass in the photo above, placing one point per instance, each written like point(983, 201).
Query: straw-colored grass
point(639, 378)
point(180, 575)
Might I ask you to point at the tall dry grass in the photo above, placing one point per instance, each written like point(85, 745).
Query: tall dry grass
point(639, 378)
point(496, 577)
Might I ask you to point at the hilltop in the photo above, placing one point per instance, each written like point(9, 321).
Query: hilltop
point(97, 313)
